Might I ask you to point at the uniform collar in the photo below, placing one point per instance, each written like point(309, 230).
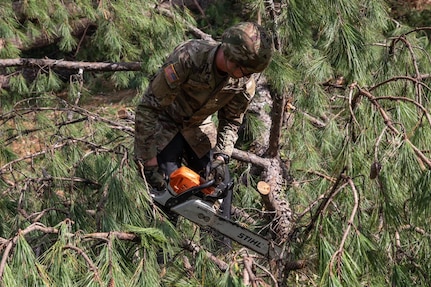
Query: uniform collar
point(219, 74)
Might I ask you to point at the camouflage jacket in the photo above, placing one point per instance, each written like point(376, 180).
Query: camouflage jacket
point(182, 97)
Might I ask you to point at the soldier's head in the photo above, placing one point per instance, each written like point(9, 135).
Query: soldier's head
point(248, 45)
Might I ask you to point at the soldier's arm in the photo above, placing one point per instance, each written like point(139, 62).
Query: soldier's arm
point(230, 118)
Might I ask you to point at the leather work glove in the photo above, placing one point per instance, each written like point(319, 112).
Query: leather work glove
point(218, 170)
point(154, 177)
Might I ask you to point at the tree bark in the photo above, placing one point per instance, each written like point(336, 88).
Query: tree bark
point(277, 118)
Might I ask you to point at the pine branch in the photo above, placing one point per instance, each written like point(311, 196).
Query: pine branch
point(316, 122)
point(273, 200)
point(274, 15)
point(337, 256)
point(106, 236)
point(78, 28)
point(70, 65)
point(12, 242)
point(326, 200)
point(194, 248)
point(249, 277)
point(8, 244)
point(193, 29)
point(5, 167)
point(419, 230)
point(88, 260)
point(389, 123)
point(239, 213)
point(251, 158)
point(36, 216)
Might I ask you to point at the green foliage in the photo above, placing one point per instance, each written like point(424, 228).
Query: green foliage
point(252, 127)
point(78, 214)
point(9, 29)
point(281, 73)
point(126, 31)
point(215, 16)
point(19, 84)
point(405, 12)
point(420, 196)
point(82, 193)
point(355, 136)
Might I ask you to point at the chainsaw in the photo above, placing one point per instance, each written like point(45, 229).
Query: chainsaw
point(189, 196)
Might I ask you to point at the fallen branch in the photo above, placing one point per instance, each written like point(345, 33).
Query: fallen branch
point(389, 123)
point(194, 248)
point(87, 259)
point(326, 200)
point(249, 277)
point(337, 256)
point(8, 244)
point(11, 242)
point(70, 65)
point(251, 158)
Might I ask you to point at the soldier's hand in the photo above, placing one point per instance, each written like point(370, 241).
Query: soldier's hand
point(154, 177)
point(218, 170)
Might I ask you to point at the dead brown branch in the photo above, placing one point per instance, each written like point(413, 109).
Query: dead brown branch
point(251, 158)
point(336, 257)
point(70, 65)
point(249, 276)
point(194, 248)
point(326, 200)
point(187, 266)
point(10, 243)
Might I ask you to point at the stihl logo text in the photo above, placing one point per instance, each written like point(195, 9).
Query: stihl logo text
point(249, 239)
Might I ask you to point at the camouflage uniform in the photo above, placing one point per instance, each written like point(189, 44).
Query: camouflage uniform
point(188, 89)
point(183, 95)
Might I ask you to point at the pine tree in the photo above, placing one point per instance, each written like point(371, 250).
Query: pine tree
point(349, 93)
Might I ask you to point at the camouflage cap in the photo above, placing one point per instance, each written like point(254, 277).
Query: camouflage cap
point(249, 45)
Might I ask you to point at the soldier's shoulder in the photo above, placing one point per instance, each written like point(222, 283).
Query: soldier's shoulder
point(199, 46)
point(196, 51)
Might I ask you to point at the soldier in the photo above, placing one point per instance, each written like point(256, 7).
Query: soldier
point(200, 78)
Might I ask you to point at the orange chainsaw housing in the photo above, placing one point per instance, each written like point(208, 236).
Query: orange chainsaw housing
point(184, 178)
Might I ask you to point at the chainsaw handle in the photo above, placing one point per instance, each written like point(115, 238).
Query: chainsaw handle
point(189, 192)
point(200, 187)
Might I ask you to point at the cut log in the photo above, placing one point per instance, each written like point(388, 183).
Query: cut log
point(263, 188)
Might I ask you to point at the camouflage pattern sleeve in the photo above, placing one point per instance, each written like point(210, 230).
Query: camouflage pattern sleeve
point(151, 130)
point(144, 122)
point(165, 86)
point(230, 118)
